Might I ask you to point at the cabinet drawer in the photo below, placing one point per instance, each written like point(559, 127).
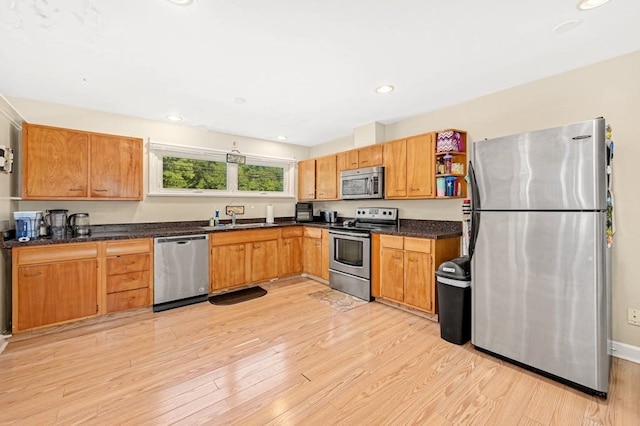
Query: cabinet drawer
point(292, 231)
point(391, 241)
point(312, 232)
point(130, 281)
point(117, 248)
point(421, 245)
point(126, 264)
point(55, 253)
point(127, 299)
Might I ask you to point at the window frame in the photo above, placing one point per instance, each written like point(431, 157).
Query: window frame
point(158, 150)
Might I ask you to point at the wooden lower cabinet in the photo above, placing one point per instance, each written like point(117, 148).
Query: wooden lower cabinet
point(59, 283)
point(54, 284)
point(240, 258)
point(406, 269)
point(290, 251)
point(228, 267)
point(129, 276)
point(316, 252)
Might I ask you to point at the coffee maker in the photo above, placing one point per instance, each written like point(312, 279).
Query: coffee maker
point(79, 224)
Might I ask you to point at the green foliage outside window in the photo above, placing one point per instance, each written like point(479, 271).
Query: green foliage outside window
point(260, 178)
point(187, 173)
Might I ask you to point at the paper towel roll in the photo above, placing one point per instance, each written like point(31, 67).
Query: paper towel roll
point(269, 213)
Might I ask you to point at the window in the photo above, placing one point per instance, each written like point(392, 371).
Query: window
point(181, 170)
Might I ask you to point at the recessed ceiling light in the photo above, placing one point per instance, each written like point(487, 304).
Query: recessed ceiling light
point(591, 4)
point(281, 138)
point(566, 26)
point(181, 2)
point(239, 100)
point(385, 89)
point(172, 117)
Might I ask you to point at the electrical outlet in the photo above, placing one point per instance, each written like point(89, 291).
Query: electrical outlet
point(234, 209)
point(633, 316)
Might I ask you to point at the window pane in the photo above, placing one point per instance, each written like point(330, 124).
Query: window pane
point(260, 178)
point(187, 173)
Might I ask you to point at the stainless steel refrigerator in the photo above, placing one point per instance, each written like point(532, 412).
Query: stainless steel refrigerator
point(540, 269)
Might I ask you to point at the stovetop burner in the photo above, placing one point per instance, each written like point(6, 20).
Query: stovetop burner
point(371, 219)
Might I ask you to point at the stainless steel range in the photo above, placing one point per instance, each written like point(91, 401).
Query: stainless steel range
point(350, 249)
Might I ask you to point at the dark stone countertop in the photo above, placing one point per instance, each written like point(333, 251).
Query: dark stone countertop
point(433, 229)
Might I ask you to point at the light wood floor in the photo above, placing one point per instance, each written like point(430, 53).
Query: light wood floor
point(286, 359)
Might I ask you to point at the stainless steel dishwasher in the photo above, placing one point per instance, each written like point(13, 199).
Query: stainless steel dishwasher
point(181, 271)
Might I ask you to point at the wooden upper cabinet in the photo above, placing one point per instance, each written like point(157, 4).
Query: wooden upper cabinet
point(347, 160)
point(420, 159)
point(326, 178)
point(370, 156)
point(54, 162)
point(307, 180)
point(116, 169)
point(71, 164)
point(395, 169)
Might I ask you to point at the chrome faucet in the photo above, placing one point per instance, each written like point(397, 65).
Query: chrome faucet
point(233, 218)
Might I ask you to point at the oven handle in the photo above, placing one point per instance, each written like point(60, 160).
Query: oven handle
point(359, 235)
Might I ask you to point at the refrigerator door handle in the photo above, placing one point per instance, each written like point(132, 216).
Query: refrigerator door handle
point(475, 206)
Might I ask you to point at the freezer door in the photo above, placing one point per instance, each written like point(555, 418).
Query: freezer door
point(539, 292)
point(562, 168)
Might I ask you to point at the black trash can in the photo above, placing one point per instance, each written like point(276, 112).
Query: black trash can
point(454, 299)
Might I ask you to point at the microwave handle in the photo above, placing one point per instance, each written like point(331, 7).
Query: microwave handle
point(370, 185)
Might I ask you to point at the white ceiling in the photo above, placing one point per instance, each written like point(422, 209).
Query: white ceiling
point(306, 68)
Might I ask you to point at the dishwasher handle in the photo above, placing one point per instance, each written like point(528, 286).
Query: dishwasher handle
point(185, 239)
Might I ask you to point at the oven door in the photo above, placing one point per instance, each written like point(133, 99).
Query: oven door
point(350, 253)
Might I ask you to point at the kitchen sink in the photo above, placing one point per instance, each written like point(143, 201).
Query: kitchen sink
point(239, 226)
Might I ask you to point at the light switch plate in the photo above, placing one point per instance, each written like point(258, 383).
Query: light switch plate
point(633, 316)
point(234, 209)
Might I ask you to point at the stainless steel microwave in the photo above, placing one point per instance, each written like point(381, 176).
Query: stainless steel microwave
point(362, 183)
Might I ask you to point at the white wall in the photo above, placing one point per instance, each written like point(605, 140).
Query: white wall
point(610, 89)
point(153, 209)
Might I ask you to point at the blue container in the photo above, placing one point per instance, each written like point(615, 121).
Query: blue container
point(450, 186)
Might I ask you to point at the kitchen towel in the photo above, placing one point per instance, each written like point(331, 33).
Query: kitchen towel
point(269, 213)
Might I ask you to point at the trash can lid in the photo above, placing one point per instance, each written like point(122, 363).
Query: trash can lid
point(457, 269)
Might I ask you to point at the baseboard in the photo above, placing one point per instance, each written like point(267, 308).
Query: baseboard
point(624, 351)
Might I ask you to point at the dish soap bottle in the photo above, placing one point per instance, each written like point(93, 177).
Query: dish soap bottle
point(216, 218)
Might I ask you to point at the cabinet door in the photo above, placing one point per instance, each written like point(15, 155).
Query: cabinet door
point(347, 160)
point(395, 170)
point(116, 167)
point(55, 163)
point(264, 260)
point(312, 249)
point(418, 285)
point(290, 256)
point(392, 274)
point(56, 292)
point(326, 178)
point(370, 156)
point(228, 266)
point(324, 261)
point(307, 180)
point(420, 173)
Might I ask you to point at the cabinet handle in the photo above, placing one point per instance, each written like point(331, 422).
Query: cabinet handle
point(415, 189)
point(240, 249)
point(76, 189)
point(397, 257)
point(100, 190)
point(354, 164)
point(364, 161)
point(413, 260)
point(131, 262)
point(33, 274)
point(318, 243)
point(256, 246)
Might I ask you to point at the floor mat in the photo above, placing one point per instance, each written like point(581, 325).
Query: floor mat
point(337, 299)
point(237, 296)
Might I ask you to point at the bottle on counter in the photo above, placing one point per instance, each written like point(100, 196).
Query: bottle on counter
point(216, 218)
point(42, 231)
